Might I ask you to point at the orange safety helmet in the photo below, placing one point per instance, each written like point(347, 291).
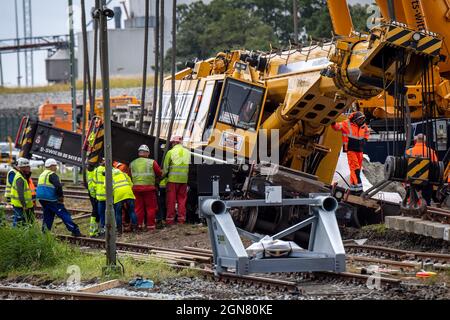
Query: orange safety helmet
point(121, 166)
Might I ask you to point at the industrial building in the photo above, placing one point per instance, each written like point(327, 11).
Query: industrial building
point(126, 41)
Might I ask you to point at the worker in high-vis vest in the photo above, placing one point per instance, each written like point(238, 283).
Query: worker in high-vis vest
point(355, 134)
point(21, 198)
point(9, 180)
point(123, 197)
point(50, 194)
point(176, 169)
point(95, 219)
point(100, 194)
point(143, 173)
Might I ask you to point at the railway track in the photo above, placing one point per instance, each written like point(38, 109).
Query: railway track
point(204, 267)
point(398, 254)
point(437, 214)
point(7, 292)
point(76, 213)
point(73, 193)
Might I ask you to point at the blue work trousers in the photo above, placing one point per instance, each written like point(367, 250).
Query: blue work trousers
point(22, 216)
point(101, 205)
point(52, 208)
point(130, 208)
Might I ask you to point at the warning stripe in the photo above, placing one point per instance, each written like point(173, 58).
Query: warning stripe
point(413, 162)
point(403, 37)
point(396, 35)
point(418, 170)
point(431, 46)
point(97, 149)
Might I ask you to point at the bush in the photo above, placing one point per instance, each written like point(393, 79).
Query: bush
point(28, 248)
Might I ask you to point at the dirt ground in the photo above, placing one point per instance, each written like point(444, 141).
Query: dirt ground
point(176, 236)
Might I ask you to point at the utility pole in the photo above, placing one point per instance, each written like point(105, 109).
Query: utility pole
point(155, 84)
point(94, 64)
point(144, 67)
point(28, 34)
point(161, 78)
point(17, 43)
point(1, 72)
point(72, 80)
point(85, 53)
point(86, 86)
point(103, 14)
point(172, 89)
point(295, 17)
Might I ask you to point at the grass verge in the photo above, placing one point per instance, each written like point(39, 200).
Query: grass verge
point(27, 253)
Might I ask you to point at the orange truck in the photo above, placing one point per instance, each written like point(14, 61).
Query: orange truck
point(60, 114)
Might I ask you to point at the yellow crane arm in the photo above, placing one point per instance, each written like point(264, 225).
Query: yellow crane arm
point(340, 17)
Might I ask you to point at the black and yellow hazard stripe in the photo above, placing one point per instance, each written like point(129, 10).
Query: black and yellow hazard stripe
point(96, 150)
point(27, 142)
point(400, 36)
point(429, 45)
point(418, 170)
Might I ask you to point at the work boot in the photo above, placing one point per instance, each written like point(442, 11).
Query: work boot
point(160, 224)
point(93, 227)
point(77, 234)
point(127, 227)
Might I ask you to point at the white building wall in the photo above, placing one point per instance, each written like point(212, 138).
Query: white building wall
point(126, 46)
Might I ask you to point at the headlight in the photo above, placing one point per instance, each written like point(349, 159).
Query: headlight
point(416, 36)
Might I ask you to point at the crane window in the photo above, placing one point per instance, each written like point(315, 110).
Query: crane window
point(240, 105)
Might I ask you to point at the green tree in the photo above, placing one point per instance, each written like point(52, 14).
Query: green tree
point(221, 25)
point(359, 16)
point(205, 29)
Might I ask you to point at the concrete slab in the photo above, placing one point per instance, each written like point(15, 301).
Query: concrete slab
point(419, 227)
point(430, 226)
point(389, 221)
point(439, 231)
point(409, 224)
point(399, 223)
point(447, 232)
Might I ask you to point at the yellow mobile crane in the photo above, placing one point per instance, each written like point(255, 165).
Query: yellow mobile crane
point(299, 92)
point(223, 103)
point(423, 100)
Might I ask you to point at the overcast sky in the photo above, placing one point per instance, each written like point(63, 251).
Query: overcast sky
point(49, 18)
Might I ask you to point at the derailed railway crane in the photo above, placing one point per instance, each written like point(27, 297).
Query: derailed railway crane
point(244, 103)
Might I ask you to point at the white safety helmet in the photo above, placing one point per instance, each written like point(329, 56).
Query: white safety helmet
point(144, 147)
point(23, 162)
point(176, 138)
point(50, 162)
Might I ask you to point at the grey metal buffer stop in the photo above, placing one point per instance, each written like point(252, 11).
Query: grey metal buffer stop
point(325, 249)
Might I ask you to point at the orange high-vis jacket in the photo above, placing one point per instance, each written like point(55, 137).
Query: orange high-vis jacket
point(353, 136)
point(421, 150)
